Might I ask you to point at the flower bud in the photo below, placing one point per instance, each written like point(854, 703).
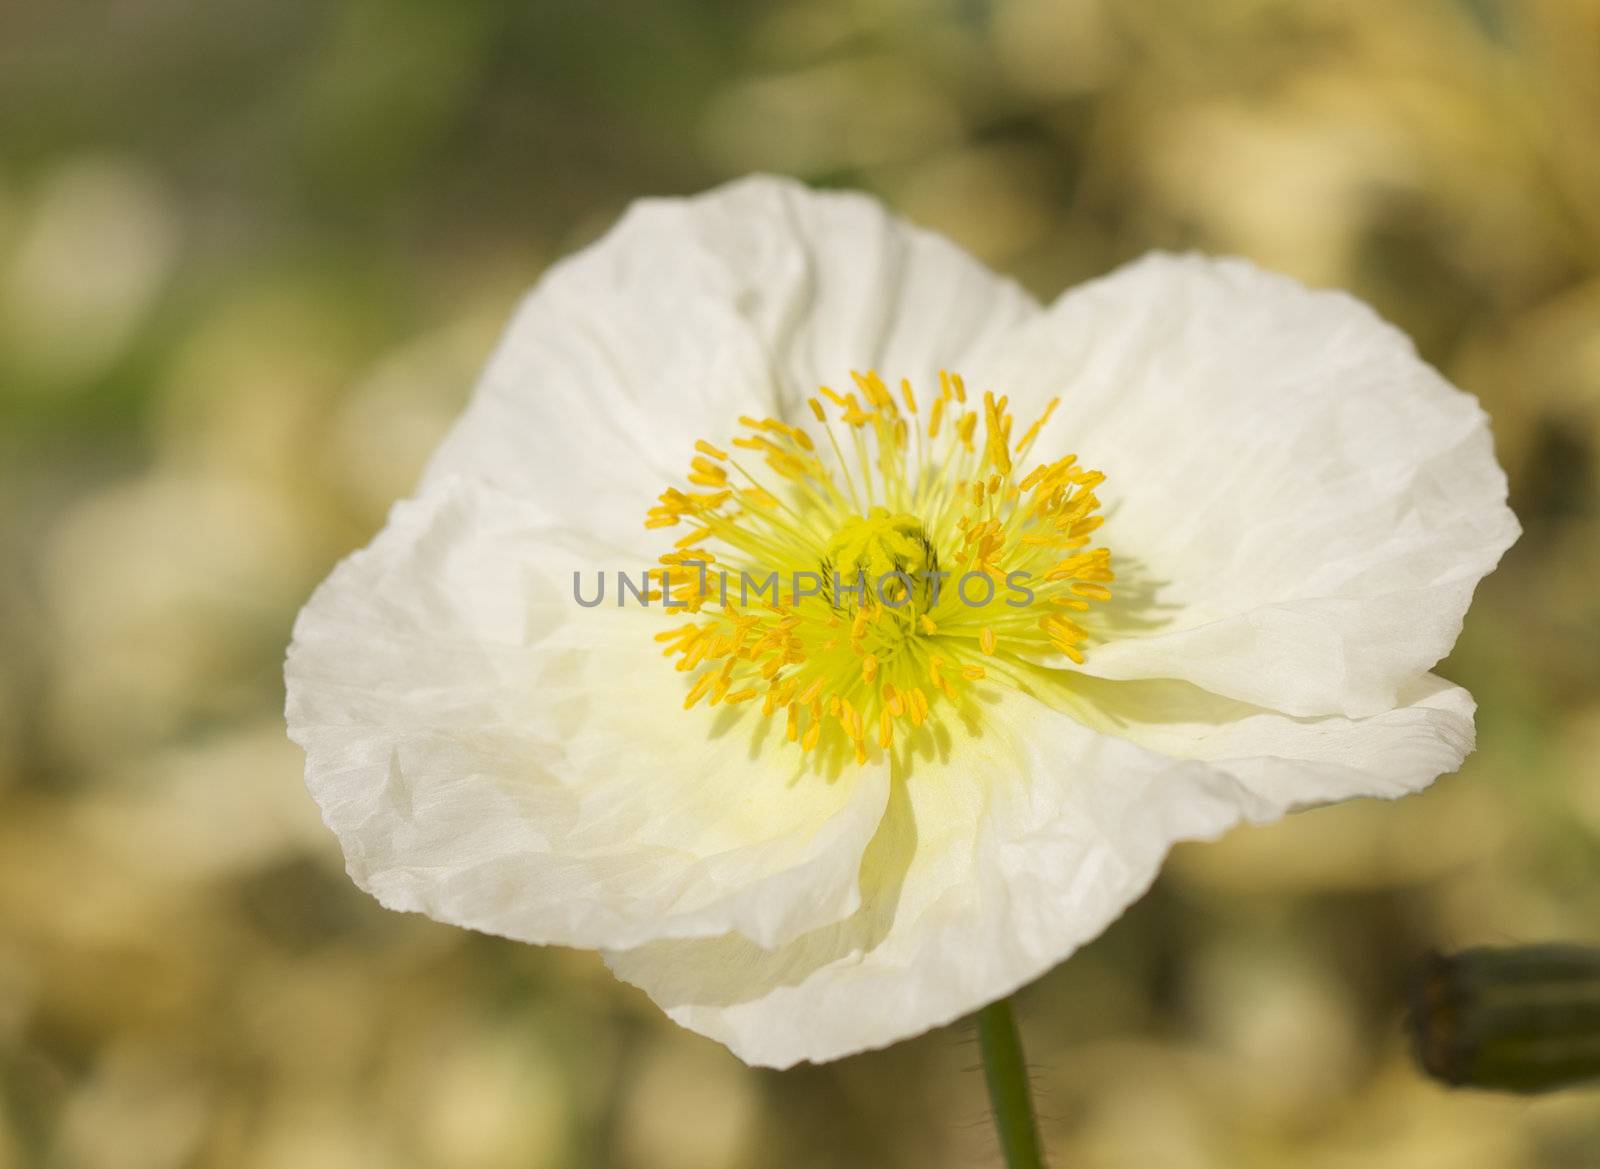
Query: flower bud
point(1516, 1019)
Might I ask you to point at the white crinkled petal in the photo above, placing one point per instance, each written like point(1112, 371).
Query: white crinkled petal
point(1019, 844)
point(693, 311)
point(1297, 505)
point(495, 756)
point(1387, 755)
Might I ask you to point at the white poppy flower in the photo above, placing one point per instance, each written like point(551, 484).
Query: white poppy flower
point(875, 818)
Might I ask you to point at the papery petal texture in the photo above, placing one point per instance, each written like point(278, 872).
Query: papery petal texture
point(692, 312)
point(1298, 509)
point(496, 756)
point(1007, 847)
point(1302, 507)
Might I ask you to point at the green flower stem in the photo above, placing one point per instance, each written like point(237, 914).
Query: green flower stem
point(1009, 1095)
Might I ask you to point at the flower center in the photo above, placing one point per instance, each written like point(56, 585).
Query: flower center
point(885, 554)
point(858, 596)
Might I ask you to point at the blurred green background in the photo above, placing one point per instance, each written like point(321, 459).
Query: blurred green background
point(252, 255)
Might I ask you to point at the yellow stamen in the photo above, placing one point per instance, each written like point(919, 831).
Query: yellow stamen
point(897, 533)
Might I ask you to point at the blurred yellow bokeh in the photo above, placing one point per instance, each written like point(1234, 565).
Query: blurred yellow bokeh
point(251, 258)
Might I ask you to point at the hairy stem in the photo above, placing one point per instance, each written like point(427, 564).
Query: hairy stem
point(1009, 1095)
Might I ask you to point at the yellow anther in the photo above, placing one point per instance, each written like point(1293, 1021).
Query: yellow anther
point(919, 705)
point(846, 714)
point(996, 449)
point(1033, 431)
point(813, 734)
point(1057, 625)
point(844, 665)
point(698, 690)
